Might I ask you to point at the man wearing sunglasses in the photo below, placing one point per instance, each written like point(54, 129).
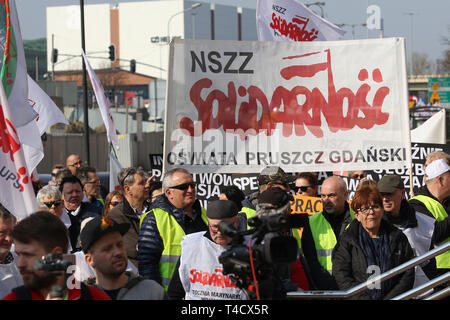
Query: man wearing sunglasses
point(174, 214)
point(49, 198)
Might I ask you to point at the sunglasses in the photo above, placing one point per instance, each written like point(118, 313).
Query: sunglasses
point(303, 188)
point(51, 203)
point(115, 203)
point(184, 186)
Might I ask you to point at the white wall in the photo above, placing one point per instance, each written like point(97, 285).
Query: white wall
point(65, 24)
point(138, 23)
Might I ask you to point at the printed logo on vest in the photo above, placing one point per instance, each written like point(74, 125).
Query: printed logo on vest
point(216, 279)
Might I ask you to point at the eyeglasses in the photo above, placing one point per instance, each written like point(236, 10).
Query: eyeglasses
point(368, 209)
point(115, 203)
point(76, 164)
point(51, 203)
point(184, 186)
point(303, 188)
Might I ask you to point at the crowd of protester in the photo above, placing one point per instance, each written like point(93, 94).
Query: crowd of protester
point(153, 239)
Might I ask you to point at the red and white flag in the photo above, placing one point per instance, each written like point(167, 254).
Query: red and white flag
point(291, 20)
point(15, 85)
point(16, 189)
point(49, 113)
point(103, 104)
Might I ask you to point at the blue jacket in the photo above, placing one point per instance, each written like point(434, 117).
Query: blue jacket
point(150, 244)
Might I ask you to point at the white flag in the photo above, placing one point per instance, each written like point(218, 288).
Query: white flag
point(103, 104)
point(291, 20)
point(15, 85)
point(114, 169)
point(16, 189)
point(49, 113)
point(14, 69)
point(432, 130)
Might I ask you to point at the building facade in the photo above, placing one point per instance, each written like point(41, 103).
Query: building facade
point(139, 31)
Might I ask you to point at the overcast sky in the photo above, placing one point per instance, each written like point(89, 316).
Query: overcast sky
point(422, 23)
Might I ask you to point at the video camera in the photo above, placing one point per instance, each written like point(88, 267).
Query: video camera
point(271, 244)
point(56, 264)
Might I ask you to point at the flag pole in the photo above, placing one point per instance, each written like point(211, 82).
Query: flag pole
point(85, 103)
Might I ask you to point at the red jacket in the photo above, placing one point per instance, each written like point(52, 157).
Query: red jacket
point(74, 294)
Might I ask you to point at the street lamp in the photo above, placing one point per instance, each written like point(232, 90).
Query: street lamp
point(195, 5)
point(411, 14)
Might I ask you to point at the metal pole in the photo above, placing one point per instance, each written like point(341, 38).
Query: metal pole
point(239, 16)
point(36, 59)
point(53, 63)
point(85, 99)
point(328, 294)
point(424, 287)
point(212, 8)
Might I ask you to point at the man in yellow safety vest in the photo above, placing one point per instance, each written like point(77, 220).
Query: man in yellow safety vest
point(174, 214)
point(434, 200)
point(323, 230)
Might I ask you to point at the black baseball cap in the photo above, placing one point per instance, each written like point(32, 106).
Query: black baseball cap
point(93, 229)
point(221, 209)
point(390, 183)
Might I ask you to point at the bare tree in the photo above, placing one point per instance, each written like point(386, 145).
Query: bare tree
point(445, 63)
point(421, 63)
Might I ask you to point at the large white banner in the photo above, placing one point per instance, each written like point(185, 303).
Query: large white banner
point(237, 106)
point(291, 20)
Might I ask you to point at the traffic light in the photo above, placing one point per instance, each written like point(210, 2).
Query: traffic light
point(133, 65)
point(54, 55)
point(112, 52)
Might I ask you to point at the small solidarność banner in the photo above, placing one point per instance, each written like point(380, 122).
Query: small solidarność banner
point(238, 106)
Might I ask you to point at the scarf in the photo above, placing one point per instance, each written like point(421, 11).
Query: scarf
point(380, 257)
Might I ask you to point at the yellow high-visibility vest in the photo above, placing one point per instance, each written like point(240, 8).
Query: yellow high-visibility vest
point(324, 238)
point(171, 234)
point(439, 213)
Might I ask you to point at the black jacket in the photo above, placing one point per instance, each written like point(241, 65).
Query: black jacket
point(350, 265)
point(123, 213)
point(87, 210)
